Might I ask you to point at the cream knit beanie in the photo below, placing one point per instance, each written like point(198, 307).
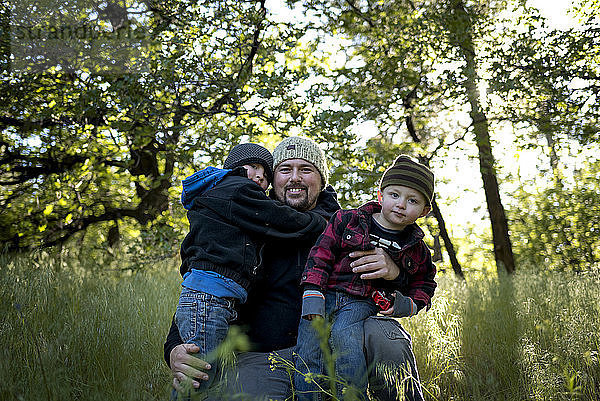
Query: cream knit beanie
point(295, 147)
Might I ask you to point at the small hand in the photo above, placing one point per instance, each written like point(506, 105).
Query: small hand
point(312, 316)
point(388, 312)
point(406, 307)
point(374, 263)
point(185, 366)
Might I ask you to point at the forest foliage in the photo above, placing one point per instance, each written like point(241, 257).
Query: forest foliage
point(97, 129)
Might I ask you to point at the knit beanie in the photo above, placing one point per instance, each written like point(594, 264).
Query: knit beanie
point(247, 153)
point(409, 173)
point(295, 147)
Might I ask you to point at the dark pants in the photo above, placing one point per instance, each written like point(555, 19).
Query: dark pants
point(388, 347)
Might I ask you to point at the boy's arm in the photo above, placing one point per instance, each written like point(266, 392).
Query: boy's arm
point(253, 211)
point(318, 267)
point(313, 303)
point(323, 255)
point(403, 306)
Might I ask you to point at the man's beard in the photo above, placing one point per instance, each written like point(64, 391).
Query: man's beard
point(303, 204)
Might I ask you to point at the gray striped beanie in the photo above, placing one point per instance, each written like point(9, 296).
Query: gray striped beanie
point(248, 153)
point(409, 173)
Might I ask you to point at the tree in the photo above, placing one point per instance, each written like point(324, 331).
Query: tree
point(557, 226)
point(100, 132)
point(546, 80)
point(394, 47)
point(459, 21)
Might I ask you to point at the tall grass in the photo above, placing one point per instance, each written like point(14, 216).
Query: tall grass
point(69, 332)
point(533, 336)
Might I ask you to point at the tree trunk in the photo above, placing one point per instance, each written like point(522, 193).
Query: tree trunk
point(436, 210)
point(461, 34)
point(5, 39)
point(500, 234)
point(447, 241)
point(546, 128)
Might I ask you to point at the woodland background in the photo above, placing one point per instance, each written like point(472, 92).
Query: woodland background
point(106, 106)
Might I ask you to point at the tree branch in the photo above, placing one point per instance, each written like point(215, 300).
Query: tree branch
point(360, 13)
point(246, 68)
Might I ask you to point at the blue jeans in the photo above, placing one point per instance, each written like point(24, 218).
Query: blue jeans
point(386, 342)
point(204, 319)
point(346, 341)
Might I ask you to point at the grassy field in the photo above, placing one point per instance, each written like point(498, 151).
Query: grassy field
point(67, 333)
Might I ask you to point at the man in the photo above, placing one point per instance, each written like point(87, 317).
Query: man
point(272, 312)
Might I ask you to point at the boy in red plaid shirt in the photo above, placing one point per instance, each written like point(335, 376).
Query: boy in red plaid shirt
point(333, 290)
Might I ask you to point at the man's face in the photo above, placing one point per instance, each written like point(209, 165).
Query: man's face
point(297, 183)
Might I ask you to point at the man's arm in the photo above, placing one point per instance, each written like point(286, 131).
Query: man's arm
point(173, 340)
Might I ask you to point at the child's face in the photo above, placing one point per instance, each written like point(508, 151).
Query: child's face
point(400, 207)
point(256, 172)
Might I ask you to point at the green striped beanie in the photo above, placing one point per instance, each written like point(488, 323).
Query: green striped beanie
point(409, 173)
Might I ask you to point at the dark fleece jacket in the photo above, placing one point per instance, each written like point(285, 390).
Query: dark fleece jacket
point(230, 222)
point(270, 316)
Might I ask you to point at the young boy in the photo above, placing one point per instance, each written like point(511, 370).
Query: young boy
point(331, 288)
point(230, 217)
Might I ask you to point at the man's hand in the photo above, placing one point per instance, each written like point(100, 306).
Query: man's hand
point(185, 366)
point(375, 263)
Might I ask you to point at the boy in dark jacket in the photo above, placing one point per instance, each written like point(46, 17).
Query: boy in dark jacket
point(230, 217)
point(331, 288)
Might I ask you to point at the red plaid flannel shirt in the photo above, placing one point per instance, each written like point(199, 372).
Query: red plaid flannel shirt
point(328, 264)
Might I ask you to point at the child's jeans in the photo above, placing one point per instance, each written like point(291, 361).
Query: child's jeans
point(346, 341)
point(203, 319)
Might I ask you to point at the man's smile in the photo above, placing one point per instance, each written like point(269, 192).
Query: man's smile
point(295, 190)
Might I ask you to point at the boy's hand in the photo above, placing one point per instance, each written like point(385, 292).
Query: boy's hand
point(405, 306)
point(374, 263)
point(388, 312)
point(312, 316)
point(382, 300)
